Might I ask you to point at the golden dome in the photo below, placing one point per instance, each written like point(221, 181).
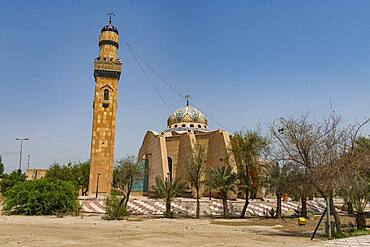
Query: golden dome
point(187, 117)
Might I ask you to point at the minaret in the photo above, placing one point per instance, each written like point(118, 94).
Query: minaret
point(107, 71)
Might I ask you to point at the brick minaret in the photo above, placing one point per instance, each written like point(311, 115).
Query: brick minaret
point(107, 71)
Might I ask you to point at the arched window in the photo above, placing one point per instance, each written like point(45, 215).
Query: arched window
point(106, 94)
point(191, 125)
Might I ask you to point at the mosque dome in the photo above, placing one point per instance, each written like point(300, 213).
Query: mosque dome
point(187, 117)
point(109, 27)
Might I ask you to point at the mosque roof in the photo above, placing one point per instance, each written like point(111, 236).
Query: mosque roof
point(189, 117)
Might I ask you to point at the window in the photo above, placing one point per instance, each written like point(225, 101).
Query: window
point(199, 126)
point(175, 125)
point(106, 94)
point(183, 125)
point(191, 125)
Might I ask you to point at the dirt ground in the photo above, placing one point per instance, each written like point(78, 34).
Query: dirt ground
point(93, 231)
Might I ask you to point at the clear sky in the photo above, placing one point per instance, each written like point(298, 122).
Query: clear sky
point(243, 62)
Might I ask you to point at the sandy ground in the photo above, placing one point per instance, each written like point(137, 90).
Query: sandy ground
point(93, 231)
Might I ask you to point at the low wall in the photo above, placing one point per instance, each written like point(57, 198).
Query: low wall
point(213, 207)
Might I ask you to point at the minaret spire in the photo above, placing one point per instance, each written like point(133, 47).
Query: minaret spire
point(110, 17)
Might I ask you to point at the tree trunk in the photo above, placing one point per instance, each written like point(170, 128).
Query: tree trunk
point(349, 207)
point(361, 220)
point(278, 205)
point(84, 192)
point(128, 193)
point(310, 196)
point(254, 194)
point(122, 201)
point(224, 206)
point(198, 204)
point(168, 209)
point(336, 216)
point(304, 206)
point(246, 203)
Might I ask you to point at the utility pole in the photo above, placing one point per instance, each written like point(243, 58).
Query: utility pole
point(28, 161)
point(20, 152)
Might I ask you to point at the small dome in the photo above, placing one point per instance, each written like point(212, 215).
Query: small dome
point(109, 27)
point(187, 117)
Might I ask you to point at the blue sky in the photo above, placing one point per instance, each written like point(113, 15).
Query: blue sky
point(244, 63)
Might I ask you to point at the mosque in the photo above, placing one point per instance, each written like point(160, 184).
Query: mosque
point(167, 153)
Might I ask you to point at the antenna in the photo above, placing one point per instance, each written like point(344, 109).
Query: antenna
point(110, 17)
point(331, 105)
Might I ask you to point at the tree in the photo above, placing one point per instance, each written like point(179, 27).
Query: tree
point(125, 174)
point(113, 208)
point(9, 180)
point(77, 173)
point(247, 147)
point(355, 185)
point(1, 167)
point(195, 172)
point(222, 180)
point(167, 190)
point(277, 179)
point(321, 149)
point(41, 197)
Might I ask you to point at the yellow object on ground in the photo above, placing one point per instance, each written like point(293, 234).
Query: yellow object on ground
point(301, 221)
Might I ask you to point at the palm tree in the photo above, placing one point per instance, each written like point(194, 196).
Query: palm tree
point(247, 147)
point(277, 181)
point(195, 172)
point(222, 180)
point(167, 190)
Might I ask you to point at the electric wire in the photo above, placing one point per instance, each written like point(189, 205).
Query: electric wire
point(137, 57)
point(158, 74)
point(133, 54)
point(8, 153)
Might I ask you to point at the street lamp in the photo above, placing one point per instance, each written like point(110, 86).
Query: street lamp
point(20, 152)
point(97, 186)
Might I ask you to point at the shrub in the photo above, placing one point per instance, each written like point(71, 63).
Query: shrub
point(41, 197)
point(114, 210)
point(8, 180)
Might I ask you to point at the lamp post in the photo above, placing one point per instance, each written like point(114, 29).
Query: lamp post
point(20, 152)
point(97, 186)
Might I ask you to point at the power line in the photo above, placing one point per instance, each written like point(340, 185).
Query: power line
point(147, 76)
point(159, 75)
point(214, 120)
point(9, 153)
point(81, 153)
point(137, 57)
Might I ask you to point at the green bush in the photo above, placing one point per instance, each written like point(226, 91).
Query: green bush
point(9, 180)
point(41, 197)
point(114, 210)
